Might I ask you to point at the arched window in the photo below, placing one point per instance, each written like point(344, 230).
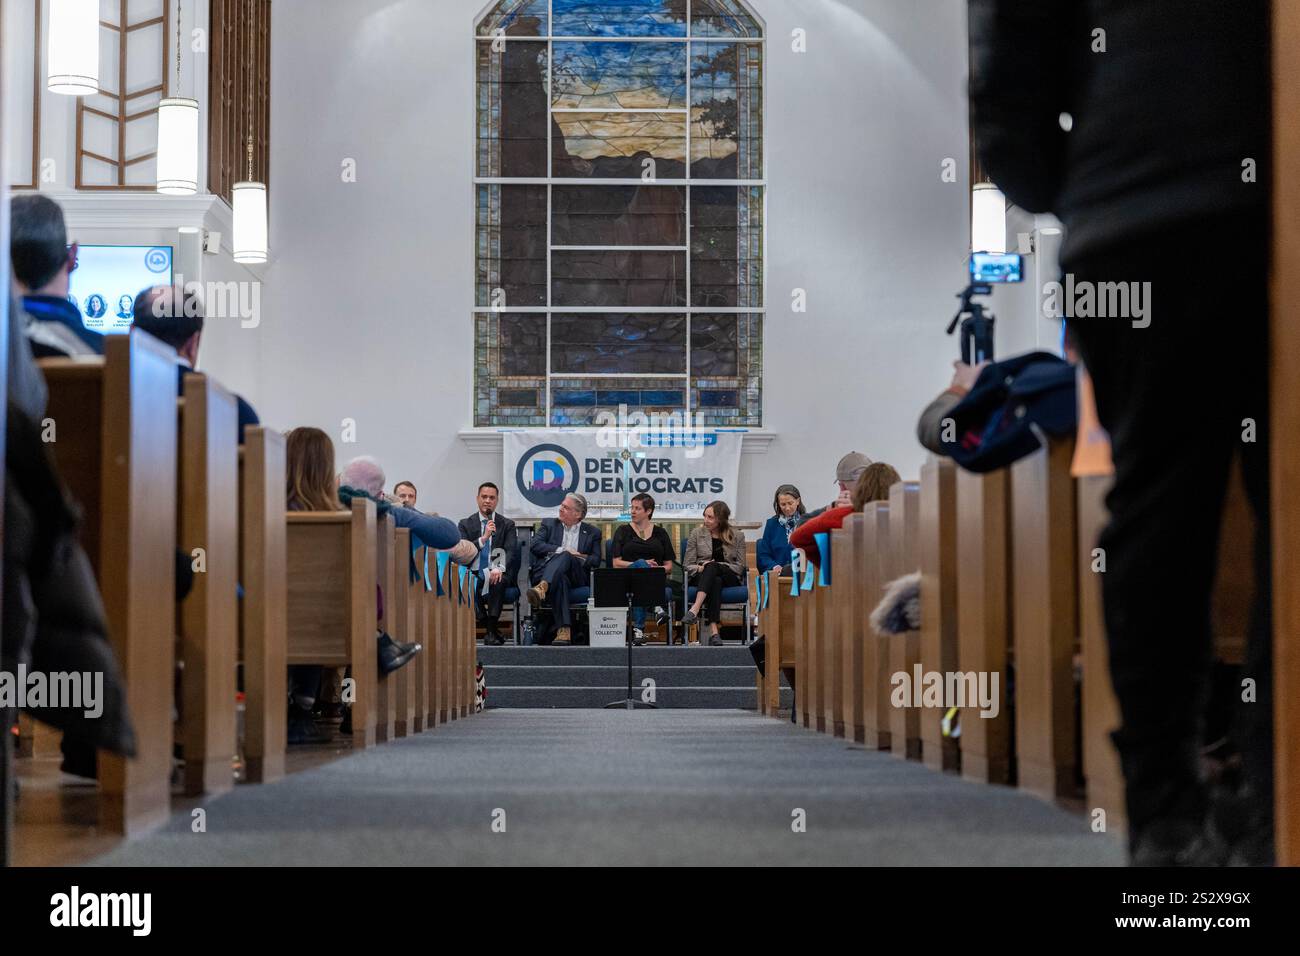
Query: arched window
point(619, 198)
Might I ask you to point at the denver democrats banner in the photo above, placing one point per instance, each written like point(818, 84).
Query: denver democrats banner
point(682, 472)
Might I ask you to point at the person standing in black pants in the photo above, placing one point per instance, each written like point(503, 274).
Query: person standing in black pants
point(1162, 184)
point(716, 553)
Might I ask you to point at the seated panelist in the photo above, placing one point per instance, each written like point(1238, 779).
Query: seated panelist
point(565, 551)
point(498, 561)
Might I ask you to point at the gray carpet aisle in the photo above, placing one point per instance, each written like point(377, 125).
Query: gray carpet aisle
point(612, 787)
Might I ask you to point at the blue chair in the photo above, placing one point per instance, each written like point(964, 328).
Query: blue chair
point(668, 591)
point(731, 598)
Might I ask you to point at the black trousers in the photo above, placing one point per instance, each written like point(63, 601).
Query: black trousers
point(711, 581)
point(487, 607)
point(562, 572)
point(1181, 399)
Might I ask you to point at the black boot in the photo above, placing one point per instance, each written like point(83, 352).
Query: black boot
point(393, 655)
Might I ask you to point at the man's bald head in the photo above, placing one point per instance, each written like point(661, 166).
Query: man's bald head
point(172, 315)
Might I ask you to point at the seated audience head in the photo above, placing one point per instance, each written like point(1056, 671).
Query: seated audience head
point(787, 502)
point(173, 316)
point(488, 494)
point(572, 509)
point(874, 484)
point(849, 470)
point(38, 246)
point(309, 471)
point(364, 474)
point(642, 508)
point(717, 518)
point(405, 492)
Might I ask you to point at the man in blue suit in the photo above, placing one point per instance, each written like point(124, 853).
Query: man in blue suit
point(565, 550)
point(175, 317)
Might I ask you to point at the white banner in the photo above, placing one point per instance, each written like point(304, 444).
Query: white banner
point(682, 473)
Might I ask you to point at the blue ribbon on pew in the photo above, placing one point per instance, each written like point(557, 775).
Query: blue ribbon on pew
point(794, 582)
point(427, 586)
point(461, 571)
point(767, 589)
point(762, 579)
point(823, 539)
point(810, 576)
point(441, 560)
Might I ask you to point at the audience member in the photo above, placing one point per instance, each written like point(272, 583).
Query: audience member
point(565, 550)
point(405, 494)
point(1140, 180)
point(363, 477)
point(773, 551)
point(498, 561)
point(42, 265)
point(872, 485)
point(642, 544)
point(311, 486)
point(847, 473)
point(930, 428)
point(715, 553)
point(175, 317)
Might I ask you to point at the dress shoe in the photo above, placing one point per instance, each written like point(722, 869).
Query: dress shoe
point(493, 639)
point(393, 655)
point(562, 638)
point(537, 593)
point(689, 618)
point(303, 730)
point(715, 640)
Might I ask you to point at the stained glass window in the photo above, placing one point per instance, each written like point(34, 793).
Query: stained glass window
point(619, 199)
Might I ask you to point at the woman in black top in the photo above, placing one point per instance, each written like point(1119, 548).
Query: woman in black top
point(642, 544)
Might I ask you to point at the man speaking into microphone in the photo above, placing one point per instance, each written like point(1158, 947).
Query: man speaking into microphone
point(498, 561)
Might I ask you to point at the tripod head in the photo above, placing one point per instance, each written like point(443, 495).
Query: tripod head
point(976, 325)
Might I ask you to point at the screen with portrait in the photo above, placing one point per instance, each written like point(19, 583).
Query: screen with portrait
point(108, 278)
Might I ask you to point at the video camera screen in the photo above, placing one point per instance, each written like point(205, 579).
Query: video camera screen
point(995, 267)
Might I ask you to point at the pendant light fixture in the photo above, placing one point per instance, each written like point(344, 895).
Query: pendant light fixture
point(988, 219)
point(73, 53)
point(178, 135)
point(249, 197)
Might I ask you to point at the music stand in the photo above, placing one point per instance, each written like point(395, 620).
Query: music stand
point(635, 587)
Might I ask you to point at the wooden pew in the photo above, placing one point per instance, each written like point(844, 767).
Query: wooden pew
point(938, 555)
point(1105, 780)
point(264, 612)
point(468, 655)
point(872, 557)
point(984, 616)
point(831, 637)
point(850, 620)
point(777, 624)
point(418, 631)
point(115, 421)
point(904, 649)
point(434, 613)
point(1044, 579)
point(385, 688)
point(209, 616)
point(331, 562)
point(809, 660)
point(402, 682)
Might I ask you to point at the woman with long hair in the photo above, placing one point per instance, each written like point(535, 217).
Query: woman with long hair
point(716, 554)
point(310, 482)
point(872, 485)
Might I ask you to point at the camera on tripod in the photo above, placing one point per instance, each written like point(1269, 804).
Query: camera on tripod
point(986, 268)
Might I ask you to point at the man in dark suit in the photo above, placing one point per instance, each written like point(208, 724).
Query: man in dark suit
point(498, 560)
point(175, 318)
point(565, 551)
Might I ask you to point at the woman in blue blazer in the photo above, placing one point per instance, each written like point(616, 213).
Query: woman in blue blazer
point(773, 552)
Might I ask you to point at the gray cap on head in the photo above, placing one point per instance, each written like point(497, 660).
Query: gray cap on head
point(851, 467)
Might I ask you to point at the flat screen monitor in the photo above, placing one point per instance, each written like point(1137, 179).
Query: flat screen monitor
point(108, 278)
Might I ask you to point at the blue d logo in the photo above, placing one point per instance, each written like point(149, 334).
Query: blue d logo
point(552, 473)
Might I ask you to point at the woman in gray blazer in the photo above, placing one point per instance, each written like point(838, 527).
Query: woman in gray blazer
point(715, 552)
